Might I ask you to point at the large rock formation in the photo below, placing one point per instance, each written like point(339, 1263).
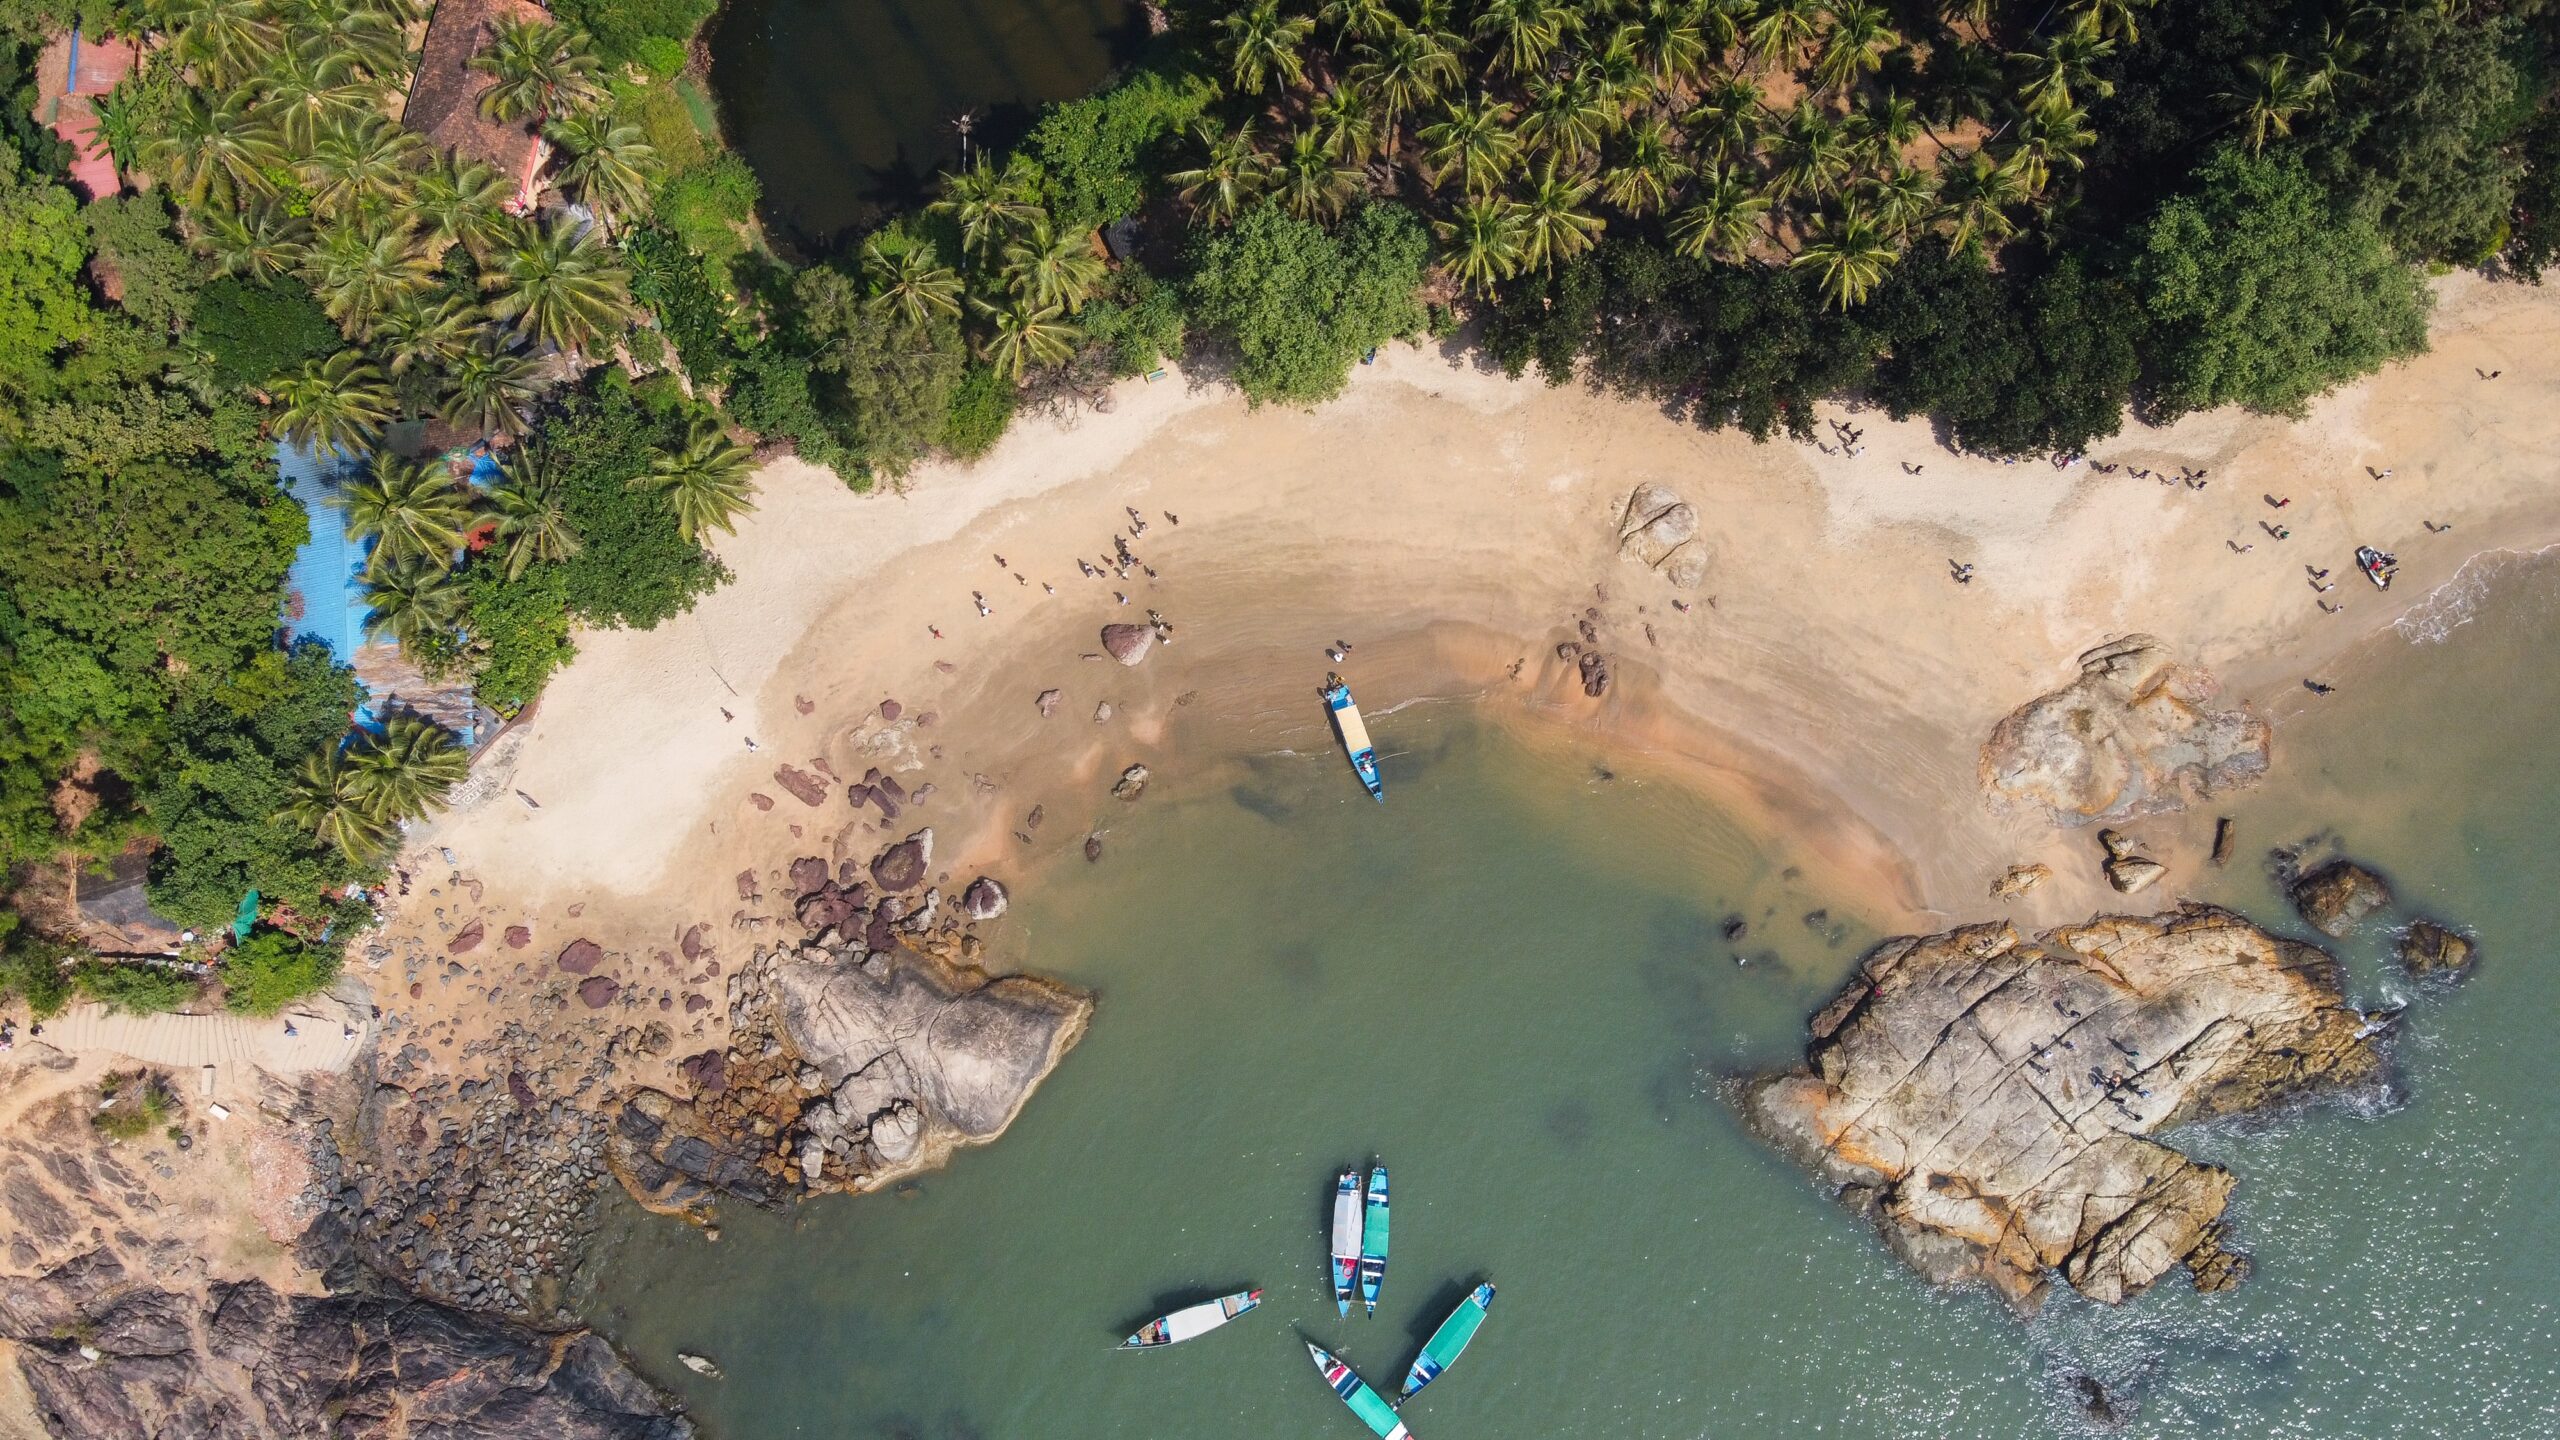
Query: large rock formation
point(2336, 897)
point(110, 1355)
point(1659, 530)
point(2132, 736)
point(1987, 1100)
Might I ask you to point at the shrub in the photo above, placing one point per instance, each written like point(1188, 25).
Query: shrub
point(665, 121)
point(1301, 304)
point(663, 58)
point(1093, 152)
point(981, 407)
point(134, 989)
point(521, 630)
point(1138, 327)
point(637, 569)
point(257, 331)
point(31, 969)
point(671, 280)
point(272, 970)
point(624, 28)
point(704, 205)
point(155, 277)
point(131, 1106)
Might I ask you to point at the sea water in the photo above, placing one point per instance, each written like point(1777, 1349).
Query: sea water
point(1511, 984)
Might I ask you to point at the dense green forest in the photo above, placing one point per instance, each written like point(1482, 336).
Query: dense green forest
point(2025, 221)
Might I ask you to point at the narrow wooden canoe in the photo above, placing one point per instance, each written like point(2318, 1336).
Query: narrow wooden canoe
point(1355, 737)
point(1368, 1404)
point(1346, 1238)
point(1373, 1240)
point(1448, 1342)
point(1192, 1320)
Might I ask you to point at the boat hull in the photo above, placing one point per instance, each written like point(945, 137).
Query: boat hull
point(1347, 1216)
point(1354, 735)
point(1354, 1392)
point(1448, 1342)
point(1192, 1321)
point(1373, 1240)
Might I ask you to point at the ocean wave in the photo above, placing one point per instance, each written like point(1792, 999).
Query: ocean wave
point(2457, 601)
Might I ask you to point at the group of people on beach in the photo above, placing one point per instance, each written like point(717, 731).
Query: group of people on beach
point(1118, 563)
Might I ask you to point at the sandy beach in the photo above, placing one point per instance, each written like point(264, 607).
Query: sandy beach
point(1449, 522)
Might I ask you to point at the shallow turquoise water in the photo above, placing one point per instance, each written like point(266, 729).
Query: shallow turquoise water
point(1509, 984)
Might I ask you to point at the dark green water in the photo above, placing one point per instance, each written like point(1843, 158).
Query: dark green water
point(845, 107)
point(1507, 983)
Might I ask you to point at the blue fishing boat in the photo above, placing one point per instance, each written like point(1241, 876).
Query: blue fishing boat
point(1355, 737)
point(1368, 1404)
point(1373, 1240)
point(1448, 1342)
point(1346, 1237)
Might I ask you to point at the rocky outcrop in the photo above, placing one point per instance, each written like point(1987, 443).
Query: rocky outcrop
point(109, 1355)
point(1659, 530)
point(2429, 951)
point(1128, 644)
point(2336, 897)
point(1987, 1101)
point(2133, 735)
point(904, 865)
point(2017, 880)
point(2128, 870)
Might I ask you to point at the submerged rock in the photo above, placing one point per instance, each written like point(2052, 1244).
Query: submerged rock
point(1131, 784)
point(985, 899)
point(1987, 1100)
point(2429, 951)
point(2133, 735)
point(2335, 897)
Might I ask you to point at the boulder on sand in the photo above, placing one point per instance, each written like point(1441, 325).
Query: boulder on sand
point(2131, 736)
point(1132, 783)
point(808, 789)
point(2338, 895)
point(1128, 644)
point(1936, 1097)
point(903, 866)
point(1048, 703)
point(581, 956)
point(1658, 530)
point(2019, 880)
point(467, 939)
point(598, 991)
point(985, 899)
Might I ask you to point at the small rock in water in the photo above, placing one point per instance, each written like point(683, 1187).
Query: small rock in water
point(1132, 783)
point(2338, 895)
point(2429, 951)
point(1092, 848)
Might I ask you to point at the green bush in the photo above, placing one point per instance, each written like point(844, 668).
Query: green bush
point(624, 28)
point(1301, 304)
point(636, 568)
point(254, 332)
point(1139, 326)
point(156, 279)
point(31, 969)
point(272, 970)
point(520, 629)
point(704, 205)
point(981, 407)
point(131, 1106)
point(670, 280)
point(134, 989)
point(665, 121)
point(1094, 154)
point(773, 398)
point(663, 58)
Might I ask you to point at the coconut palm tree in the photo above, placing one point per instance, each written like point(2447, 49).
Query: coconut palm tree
point(1404, 72)
point(224, 40)
point(1724, 221)
point(542, 71)
point(1231, 172)
point(215, 151)
point(906, 282)
point(1728, 120)
point(257, 243)
point(1346, 122)
point(1482, 241)
point(2064, 73)
point(1648, 171)
point(1848, 253)
point(1554, 225)
point(1262, 44)
point(533, 523)
point(2041, 143)
point(340, 403)
point(609, 164)
point(1474, 139)
point(560, 286)
point(1975, 198)
point(1026, 335)
point(1308, 182)
point(373, 36)
point(433, 332)
point(2275, 97)
point(1525, 32)
point(1782, 28)
point(1618, 77)
point(1903, 199)
point(1669, 38)
point(1359, 19)
point(412, 601)
point(1052, 270)
point(706, 482)
point(405, 771)
point(489, 391)
point(1856, 45)
point(412, 509)
point(323, 799)
point(987, 203)
point(1566, 118)
point(1815, 156)
point(455, 201)
point(2112, 18)
point(361, 164)
point(307, 88)
point(361, 273)
point(1886, 127)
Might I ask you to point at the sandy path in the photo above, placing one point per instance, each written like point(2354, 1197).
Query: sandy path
point(1831, 677)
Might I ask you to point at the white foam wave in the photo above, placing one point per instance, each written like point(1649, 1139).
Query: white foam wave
point(2457, 601)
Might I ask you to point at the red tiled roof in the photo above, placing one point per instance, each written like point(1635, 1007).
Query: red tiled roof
point(72, 71)
point(444, 98)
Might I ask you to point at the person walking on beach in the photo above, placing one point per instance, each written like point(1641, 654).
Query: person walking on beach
point(2239, 549)
point(2316, 688)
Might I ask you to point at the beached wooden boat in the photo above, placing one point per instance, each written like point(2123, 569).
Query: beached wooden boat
point(1355, 737)
point(1346, 1237)
point(1373, 1240)
point(1448, 1342)
point(1192, 1320)
point(1368, 1404)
